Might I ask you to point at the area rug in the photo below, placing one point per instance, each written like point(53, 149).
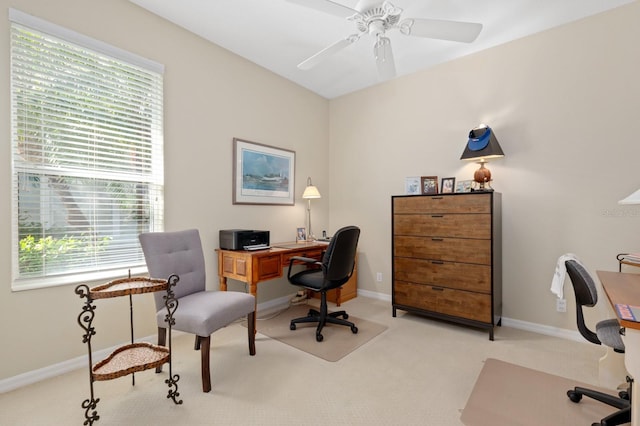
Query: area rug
point(338, 341)
point(508, 394)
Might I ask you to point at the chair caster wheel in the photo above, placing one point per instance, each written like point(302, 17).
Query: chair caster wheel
point(354, 329)
point(319, 337)
point(574, 396)
point(345, 316)
point(292, 326)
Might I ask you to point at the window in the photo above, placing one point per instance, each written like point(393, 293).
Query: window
point(87, 142)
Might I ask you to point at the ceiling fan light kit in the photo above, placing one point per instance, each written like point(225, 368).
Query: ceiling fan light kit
point(377, 20)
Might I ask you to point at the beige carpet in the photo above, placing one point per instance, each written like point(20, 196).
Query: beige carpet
point(508, 394)
point(338, 341)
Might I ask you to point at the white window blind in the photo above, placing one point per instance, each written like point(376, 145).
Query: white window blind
point(87, 149)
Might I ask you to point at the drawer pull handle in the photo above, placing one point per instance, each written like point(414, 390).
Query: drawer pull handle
point(437, 288)
point(437, 215)
point(437, 262)
point(437, 198)
point(436, 239)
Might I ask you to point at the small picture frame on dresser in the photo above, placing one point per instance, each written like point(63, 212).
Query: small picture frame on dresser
point(448, 185)
point(301, 235)
point(412, 185)
point(429, 184)
point(463, 186)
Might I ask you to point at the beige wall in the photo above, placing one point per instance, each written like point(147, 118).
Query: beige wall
point(211, 96)
point(563, 104)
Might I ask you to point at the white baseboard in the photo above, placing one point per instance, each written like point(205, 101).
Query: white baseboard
point(562, 333)
point(54, 370)
point(30, 377)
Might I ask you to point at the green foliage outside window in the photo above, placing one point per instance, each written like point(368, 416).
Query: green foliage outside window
point(55, 254)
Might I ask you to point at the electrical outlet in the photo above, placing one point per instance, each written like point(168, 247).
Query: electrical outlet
point(561, 305)
point(379, 277)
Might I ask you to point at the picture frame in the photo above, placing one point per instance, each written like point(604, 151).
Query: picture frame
point(412, 185)
point(263, 174)
point(463, 186)
point(301, 235)
point(429, 184)
point(448, 185)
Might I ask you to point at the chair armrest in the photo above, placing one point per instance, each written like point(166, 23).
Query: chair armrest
point(302, 259)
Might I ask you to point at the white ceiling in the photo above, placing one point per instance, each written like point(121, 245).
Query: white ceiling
point(278, 34)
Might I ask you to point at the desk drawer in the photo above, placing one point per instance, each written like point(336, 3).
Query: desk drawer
point(267, 267)
point(312, 253)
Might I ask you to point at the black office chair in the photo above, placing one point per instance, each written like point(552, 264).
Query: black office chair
point(335, 270)
point(607, 333)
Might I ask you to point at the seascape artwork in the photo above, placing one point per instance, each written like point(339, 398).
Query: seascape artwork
point(264, 172)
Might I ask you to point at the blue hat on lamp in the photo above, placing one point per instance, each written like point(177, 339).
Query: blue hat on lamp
point(482, 145)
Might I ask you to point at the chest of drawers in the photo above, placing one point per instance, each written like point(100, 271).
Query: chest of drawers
point(447, 257)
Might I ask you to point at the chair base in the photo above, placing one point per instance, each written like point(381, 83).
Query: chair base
point(622, 416)
point(323, 317)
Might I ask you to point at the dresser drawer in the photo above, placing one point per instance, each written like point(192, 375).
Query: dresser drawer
point(457, 303)
point(446, 249)
point(462, 203)
point(461, 276)
point(443, 225)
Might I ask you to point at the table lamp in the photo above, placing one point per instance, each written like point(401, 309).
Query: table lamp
point(482, 145)
point(310, 192)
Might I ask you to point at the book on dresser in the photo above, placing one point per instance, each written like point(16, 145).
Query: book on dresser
point(447, 257)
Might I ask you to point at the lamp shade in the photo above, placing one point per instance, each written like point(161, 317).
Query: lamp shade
point(631, 199)
point(482, 145)
point(310, 191)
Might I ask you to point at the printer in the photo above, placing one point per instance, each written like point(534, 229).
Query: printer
point(237, 239)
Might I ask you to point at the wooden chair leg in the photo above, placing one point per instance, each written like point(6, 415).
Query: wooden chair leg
point(252, 332)
point(162, 341)
point(205, 343)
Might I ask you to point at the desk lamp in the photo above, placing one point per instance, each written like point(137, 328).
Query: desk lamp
point(310, 192)
point(482, 145)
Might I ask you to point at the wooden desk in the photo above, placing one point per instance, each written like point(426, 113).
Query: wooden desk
point(624, 288)
point(252, 267)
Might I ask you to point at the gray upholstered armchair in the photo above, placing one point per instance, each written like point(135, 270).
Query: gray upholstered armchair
point(199, 312)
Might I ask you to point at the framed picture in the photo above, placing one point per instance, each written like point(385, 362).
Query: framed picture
point(301, 234)
point(463, 186)
point(262, 174)
point(429, 184)
point(448, 185)
point(412, 185)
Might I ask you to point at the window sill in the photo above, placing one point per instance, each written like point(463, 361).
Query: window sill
point(82, 278)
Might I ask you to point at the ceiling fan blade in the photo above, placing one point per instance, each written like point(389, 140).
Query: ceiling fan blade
point(327, 51)
point(384, 58)
point(327, 6)
point(465, 32)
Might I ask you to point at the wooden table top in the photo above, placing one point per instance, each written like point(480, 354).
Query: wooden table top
point(621, 288)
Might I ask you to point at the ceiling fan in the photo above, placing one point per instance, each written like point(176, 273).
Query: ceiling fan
point(375, 18)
